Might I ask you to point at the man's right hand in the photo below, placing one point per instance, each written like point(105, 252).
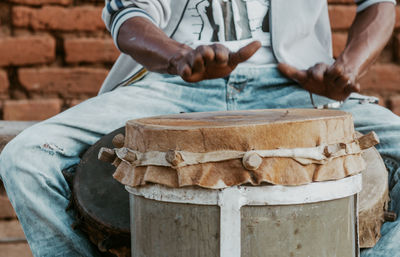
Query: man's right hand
point(209, 61)
point(152, 48)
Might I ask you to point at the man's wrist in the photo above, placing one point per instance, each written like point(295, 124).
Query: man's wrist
point(176, 58)
point(349, 67)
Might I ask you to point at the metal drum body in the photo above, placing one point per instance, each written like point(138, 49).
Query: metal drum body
point(318, 219)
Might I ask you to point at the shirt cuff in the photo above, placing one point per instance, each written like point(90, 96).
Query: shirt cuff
point(368, 3)
point(124, 15)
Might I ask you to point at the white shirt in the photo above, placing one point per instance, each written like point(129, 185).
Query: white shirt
point(233, 23)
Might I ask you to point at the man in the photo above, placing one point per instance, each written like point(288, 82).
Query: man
point(259, 40)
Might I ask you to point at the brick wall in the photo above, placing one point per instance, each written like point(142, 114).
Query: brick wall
point(56, 53)
point(53, 55)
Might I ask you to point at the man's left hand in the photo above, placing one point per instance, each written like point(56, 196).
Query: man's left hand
point(322, 79)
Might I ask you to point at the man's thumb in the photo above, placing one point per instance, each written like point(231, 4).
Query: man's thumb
point(244, 53)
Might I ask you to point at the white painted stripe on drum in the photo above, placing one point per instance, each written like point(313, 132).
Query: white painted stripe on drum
point(230, 201)
point(255, 195)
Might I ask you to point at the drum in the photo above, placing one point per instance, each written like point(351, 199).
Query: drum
point(101, 203)
point(246, 221)
point(103, 206)
point(245, 183)
point(373, 199)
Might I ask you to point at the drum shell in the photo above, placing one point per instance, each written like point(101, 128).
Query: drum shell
point(321, 229)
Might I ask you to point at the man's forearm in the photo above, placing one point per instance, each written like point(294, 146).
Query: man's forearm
point(148, 45)
point(368, 35)
point(151, 47)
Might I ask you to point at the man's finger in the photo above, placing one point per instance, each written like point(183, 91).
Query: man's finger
point(333, 73)
point(353, 88)
point(221, 53)
point(184, 71)
point(207, 52)
point(317, 72)
point(197, 63)
point(342, 81)
point(244, 53)
point(291, 72)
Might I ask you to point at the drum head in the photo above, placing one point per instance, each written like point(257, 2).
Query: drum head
point(99, 198)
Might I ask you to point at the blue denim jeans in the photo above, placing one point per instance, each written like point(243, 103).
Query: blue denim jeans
point(31, 164)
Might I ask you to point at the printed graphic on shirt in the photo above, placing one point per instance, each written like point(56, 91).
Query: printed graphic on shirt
point(228, 20)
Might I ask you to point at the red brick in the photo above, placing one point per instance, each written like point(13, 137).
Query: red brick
point(4, 84)
point(6, 210)
point(341, 1)
point(387, 54)
point(397, 17)
point(11, 228)
point(341, 16)
point(41, 2)
point(23, 50)
point(90, 50)
point(382, 77)
point(65, 81)
point(339, 42)
point(394, 103)
point(15, 250)
point(73, 102)
point(81, 18)
point(38, 109)
point(397, 47)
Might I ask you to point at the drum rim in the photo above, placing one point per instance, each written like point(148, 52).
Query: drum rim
point(255, 195)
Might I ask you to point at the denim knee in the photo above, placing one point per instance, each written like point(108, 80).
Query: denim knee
point(12, 153)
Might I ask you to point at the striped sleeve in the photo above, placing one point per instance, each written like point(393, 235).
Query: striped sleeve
point(116, 12)
point(363, 4)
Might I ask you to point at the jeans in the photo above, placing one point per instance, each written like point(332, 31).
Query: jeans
point(31, 164)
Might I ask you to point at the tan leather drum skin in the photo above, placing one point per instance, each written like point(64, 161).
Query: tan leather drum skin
point(244, 132)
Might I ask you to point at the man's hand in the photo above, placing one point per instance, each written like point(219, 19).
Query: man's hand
point(368, 35)
point(209, 61)
point(151, 47)
point(331, 81)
